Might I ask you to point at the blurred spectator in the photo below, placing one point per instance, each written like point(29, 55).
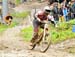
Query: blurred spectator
point(60, 1)
point(55, 11)
point(62, 10)
point(65, 12)
point(73, 8)
point(61, 18)
point(69, 11)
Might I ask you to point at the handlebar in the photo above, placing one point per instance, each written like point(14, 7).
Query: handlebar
point(45, 22)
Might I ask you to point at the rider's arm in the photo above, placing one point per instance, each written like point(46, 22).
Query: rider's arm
point(51, 18)
point(36, 16)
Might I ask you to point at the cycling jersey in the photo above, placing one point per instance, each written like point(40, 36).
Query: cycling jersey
point(42, 16)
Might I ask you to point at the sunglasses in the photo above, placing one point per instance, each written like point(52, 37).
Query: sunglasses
point(48, 10)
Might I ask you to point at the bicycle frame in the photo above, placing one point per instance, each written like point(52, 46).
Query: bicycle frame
point(44, 33)
point(42, 39)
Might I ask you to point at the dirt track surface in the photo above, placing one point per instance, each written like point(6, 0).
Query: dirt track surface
point(12, 45)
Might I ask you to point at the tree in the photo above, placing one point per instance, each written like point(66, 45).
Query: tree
point(4, 9)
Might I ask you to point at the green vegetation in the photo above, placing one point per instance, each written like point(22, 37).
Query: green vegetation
point(3, 27)
point(17, 2)
point(20, 17)
point(15, 22)
point(27, 33)
point(20, 14)
point(61, 33)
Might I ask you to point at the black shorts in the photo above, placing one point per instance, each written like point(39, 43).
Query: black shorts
point(36, 24)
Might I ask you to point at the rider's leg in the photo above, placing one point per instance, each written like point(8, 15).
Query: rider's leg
point(36, 29)
point(35, 36)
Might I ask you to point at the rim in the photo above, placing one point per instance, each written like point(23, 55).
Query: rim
point(44, 45)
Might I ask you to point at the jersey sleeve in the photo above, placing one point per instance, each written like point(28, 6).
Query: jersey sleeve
point(50, 17)
point(38, 13)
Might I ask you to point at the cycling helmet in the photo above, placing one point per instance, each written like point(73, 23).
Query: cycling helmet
point(47, 9)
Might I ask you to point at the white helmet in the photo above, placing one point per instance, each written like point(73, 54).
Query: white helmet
point(47, 8)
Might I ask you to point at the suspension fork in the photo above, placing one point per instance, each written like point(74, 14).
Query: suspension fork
point(44, 32)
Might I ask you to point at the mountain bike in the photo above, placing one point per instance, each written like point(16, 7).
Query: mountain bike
point(43, 40)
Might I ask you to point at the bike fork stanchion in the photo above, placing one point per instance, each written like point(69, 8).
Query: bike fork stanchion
point(44, 33)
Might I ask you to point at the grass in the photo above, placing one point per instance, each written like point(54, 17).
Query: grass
point(16, 15)
point(63, 32)
point(23, 14)
point(20, 17)
point(17, 2)
point(27, 33)
point(3, 27)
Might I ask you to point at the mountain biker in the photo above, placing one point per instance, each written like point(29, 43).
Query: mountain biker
point(41, 17)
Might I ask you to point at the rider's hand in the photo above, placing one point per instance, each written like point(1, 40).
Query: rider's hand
point(38, 19)
point(45, 21)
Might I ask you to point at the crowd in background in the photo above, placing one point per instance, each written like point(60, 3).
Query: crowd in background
point(63, 11)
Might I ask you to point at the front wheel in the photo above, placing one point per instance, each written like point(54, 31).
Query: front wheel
point(44, 44)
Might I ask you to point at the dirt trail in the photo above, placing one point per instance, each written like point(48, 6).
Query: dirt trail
point(12, 45)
